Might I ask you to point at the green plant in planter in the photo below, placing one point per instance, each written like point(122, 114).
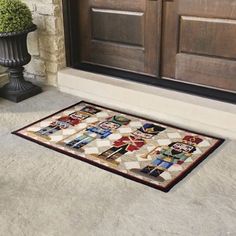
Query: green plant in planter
point(14, 16)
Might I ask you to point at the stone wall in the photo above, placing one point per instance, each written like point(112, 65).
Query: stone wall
point(46, 45)
point(3, 76)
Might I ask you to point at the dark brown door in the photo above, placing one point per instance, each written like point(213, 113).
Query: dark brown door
point(121, 34)
point(199, 43)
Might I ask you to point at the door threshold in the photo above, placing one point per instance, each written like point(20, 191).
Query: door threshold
point(180, 109)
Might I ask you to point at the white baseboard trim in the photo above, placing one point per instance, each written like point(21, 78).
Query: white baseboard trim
point(184, 110)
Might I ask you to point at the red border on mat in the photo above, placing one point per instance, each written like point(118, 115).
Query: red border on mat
point(128, 176)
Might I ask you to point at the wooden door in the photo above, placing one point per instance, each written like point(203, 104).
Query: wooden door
point(121, 34)
point(199, 43)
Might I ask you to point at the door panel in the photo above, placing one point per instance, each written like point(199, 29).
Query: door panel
point(208, 71)
point(208, 8)
point(202, 48)
point(117, 56)
point(119, 31)
point(208, 36)
point(121, 34)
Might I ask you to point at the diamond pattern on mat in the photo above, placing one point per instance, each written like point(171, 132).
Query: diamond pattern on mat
point(103, 143)
point(91, 120)
point(114, 137)
point(135, 124)
point(58, 116)
point(164, 142)
point(166, 175)
point(189, 160)
point(33, 129)
point(150, 148)
point(103, 115)
point(56, 138)
point(65, 113)
point(132, 164)
point(91, 150)
point(174, 135)
point(198, 151)
point(125, 130)
point(66, 132)
point(175, 168)
point(205, 143)
point(44, 123)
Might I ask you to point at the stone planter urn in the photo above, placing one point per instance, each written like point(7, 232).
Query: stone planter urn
point(14, 55)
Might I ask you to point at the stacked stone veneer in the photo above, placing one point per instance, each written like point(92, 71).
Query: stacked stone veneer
point(3, 77)
point(46, 45)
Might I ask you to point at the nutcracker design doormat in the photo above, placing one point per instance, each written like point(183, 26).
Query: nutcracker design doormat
point(146, 151)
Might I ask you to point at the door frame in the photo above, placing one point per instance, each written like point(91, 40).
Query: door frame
point(72, 51)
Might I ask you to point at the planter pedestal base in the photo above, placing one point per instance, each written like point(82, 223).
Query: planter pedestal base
point(18, 96)
point(18, 89)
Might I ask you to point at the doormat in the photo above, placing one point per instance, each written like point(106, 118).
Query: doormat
point(150, 152)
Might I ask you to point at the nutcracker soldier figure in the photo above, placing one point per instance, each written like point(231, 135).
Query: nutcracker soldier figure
point(102, 131)
point(174, 153)
point(65, 122)
point(131, 143)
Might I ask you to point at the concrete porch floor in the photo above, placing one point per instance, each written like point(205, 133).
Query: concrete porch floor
point(45, 193)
